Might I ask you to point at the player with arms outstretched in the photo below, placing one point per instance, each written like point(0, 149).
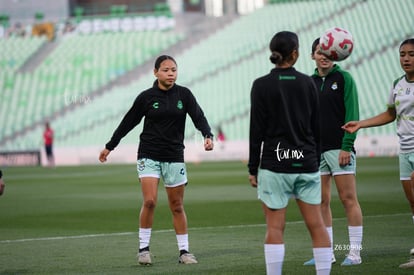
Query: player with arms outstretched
point(161, 151)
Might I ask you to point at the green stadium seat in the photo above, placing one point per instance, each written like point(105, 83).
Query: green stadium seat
point(219, 69)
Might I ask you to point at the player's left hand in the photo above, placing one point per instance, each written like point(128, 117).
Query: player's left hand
point(253, 180)
point(208, 144)
point(103, 155)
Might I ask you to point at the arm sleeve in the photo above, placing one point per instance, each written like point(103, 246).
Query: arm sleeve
point(131, 119)
point(351, 110)
point(391, 95)
point(257, 130)
point(197, 116)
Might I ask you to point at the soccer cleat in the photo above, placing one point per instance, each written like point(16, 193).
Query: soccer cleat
point(409, 264)
point(312, 261)
point(351, 260)
point(144, 258)
point(187, 258)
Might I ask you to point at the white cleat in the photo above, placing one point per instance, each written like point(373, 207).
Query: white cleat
point(144, 258)
point(187, 258)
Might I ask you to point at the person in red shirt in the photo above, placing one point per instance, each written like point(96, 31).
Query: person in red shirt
point(48, 141)
point(221, 138)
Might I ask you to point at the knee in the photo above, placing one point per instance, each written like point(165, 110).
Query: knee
point(349, 202)
point(325, 202)
point(178, 210)
point(177, 207)
point(149, 204)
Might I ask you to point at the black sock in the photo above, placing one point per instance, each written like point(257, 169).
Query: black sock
point(183, 252)
point(144, 249)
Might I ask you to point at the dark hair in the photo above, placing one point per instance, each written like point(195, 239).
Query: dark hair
point(162, 58)
point(282, 45)
point(315, 44)
point(407, 41)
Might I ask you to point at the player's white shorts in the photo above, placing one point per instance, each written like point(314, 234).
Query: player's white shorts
point(275, 189)
point(330, 164)
point(406, 165)
point(172, 173)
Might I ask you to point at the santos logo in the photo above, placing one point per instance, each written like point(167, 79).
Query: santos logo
point(283, 153)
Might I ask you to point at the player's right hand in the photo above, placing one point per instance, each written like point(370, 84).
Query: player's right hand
point(103, 155)
point(351, 126)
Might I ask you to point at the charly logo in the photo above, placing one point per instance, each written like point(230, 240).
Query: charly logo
point(141, 165)
point(334, 86)
point(283, 153)
point(155, 105)
point(179, 104)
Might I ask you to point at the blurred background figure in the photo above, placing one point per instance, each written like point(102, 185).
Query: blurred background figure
point(48, 142)
point(2, 185)
point(221, 138)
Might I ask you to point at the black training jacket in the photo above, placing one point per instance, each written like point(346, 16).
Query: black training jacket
point(284, 123)
point(338, 99)
point(165, 112)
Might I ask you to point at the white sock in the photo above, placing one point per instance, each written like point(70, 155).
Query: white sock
point(330, 233)
point(323, 258)
point(413, 219)
point(182, 241)
point(355, 240)
point(274, 256)
point(144, 235)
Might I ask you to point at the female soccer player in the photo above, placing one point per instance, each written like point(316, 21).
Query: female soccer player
point(161, 150)
point(401, 108)
point(284, 152)
point(338, 99)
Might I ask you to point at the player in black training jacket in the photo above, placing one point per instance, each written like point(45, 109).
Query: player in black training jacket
point(161, 151)
point(284, 152)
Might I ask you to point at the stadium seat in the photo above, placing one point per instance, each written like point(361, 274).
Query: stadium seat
point(218, 69)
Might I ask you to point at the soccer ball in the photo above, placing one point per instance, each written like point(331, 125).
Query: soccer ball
point(336, 43)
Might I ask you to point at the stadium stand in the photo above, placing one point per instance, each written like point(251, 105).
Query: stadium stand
point(14, 52)
point(219, 68)
point(72, 71)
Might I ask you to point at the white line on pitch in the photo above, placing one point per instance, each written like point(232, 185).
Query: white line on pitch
point(167, 230)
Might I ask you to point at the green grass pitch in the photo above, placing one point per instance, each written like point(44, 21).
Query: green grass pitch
point(84, 220)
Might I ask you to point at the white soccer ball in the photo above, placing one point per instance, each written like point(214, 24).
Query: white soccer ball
point(336, 43)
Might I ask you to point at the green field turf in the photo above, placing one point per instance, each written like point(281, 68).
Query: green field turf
point(84, 220)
